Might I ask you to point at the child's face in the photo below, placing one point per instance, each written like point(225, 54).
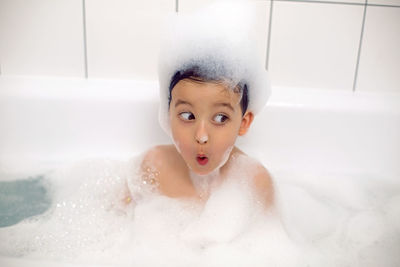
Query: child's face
point(205, 120)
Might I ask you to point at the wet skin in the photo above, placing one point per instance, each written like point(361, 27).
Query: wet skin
point(205, 118)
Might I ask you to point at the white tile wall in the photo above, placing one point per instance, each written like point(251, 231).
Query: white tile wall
point(314, 45)
point(380, 54)
point(123, 37)
point(261, 23)
point(192, 5)
point(385, 2)
point(334, 1)
point(41, 37)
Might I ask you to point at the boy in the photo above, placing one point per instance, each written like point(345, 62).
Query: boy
point(205, 117)
point(212, 82)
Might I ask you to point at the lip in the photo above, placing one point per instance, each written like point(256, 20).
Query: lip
point(202, 159)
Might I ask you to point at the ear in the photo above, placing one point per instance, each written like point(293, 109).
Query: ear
point(246, 122)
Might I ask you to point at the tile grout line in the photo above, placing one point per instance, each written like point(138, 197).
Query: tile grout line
point(338, 2)
point(321, 2)
point(360, 46)
point(269, 35)
point(84, 39)
point(380, 5)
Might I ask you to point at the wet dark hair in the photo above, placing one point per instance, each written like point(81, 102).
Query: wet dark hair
point(194, 74)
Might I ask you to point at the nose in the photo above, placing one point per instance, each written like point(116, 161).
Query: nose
point(201, 133)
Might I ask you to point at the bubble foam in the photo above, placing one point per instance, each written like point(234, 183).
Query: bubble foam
point(319, 220)
point(220, 41)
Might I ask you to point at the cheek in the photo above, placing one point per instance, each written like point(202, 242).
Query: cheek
point(223, 148)
point(181, 138)
point(226, 141)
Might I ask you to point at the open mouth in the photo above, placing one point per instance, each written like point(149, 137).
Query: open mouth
point(202, 159)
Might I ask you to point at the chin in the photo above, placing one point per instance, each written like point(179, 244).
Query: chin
point(202, 172)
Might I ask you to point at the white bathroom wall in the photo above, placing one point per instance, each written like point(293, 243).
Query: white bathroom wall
point(261, 23)
point(314, 44)
point(41, 37)
point(123, 37)
point(385, 2)
point(380, 53)
point(343, 44)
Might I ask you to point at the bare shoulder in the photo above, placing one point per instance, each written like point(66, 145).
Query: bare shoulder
point(158, 157)
point(146, 171)
point(154, 164)
point(262, 179)
point(163, 166)
point(264, 185)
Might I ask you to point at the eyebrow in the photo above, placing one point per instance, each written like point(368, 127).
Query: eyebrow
point(182, 102)
point(223, 104)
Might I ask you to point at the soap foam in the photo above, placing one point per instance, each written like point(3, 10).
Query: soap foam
point(319, 220)
point(220, 40)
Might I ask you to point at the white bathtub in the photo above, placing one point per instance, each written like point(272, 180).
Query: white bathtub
point(45, 122)
point(52, 120)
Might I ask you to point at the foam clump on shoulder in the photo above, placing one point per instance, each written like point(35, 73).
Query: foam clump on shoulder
point(220, 41)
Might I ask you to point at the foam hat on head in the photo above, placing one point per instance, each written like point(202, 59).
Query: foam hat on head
point(220, 41)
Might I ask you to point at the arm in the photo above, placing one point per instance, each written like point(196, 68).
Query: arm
point(142, 177)
point(264, 187)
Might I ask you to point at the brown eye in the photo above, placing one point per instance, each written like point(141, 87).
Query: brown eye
point(187, 116)
point(220, 118)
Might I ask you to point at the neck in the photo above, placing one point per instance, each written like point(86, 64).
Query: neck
point(204, 184)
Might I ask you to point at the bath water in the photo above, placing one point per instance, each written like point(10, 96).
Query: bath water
point(319, 219)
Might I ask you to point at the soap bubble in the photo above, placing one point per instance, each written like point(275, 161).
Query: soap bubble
point(319, 220)
point(221, 42)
